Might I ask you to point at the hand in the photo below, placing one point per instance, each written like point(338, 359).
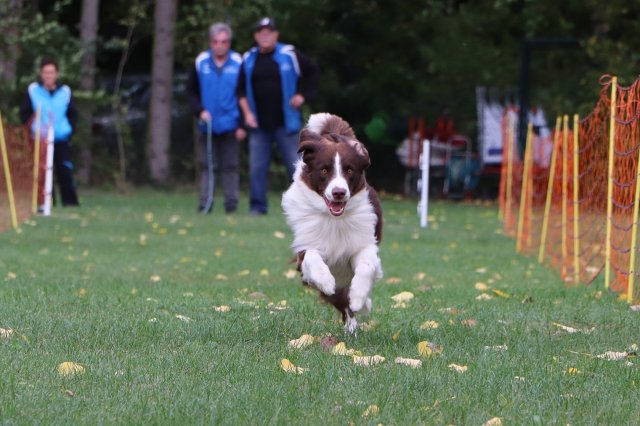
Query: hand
point(205, 116)
point(296, 100)
point(250, 120)
point(240, 134)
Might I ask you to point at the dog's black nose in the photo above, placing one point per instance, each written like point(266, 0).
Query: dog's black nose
point(338, 193)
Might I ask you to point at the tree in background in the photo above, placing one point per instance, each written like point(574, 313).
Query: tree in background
point(161, 91)
point(88, 35)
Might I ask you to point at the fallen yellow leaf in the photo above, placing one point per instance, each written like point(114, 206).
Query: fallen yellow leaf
point(222, 308)
point(5, 333)
point(290, 274)
point(155, 278)
point(429, 325)
point(481, 286)
point(264, 272)
point(341, 349)
point(183, 318)
point(414, 363)
point(404, 296)
point(301, 342)
point(396, 335)
point(69, 368)
point(288, 366)
point(279, 234)
point(368, 361)
point(426, 348)
point(458, 368)
point(371, 411)
point(500, 293)
point(393, 280)
point(496, 421)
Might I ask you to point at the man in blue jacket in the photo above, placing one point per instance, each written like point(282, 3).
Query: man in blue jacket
point(57, 110)
point(212, 91)
point(275, 80)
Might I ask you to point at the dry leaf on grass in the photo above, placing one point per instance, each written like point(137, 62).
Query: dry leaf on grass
point(290, 274)
point(368, 361)
point(429, 325)
point(368, 326)
point(183, 318)
point(288, 366)
point(481, 286)
point(497, 348)
point(154, 278)
point(426, 348)
point(414, 363)
point(5, 333)
point(279, 234)
point(393, 280)
point(484, 296)
point(341, 349)
point(635, 308)
point(302, 341)
point(328, 342)
point(500, 293)
point(371, 411)
point(496, 421)
point(221, 308)
point(572, 330)
point(481, 270)
point(69, 368)
point(458, 368)
point(404, 296)
point(469, 322)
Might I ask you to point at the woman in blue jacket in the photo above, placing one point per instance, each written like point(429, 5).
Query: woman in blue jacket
point(57, 110)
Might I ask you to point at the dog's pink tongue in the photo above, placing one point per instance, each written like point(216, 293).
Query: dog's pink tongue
point(336, 208)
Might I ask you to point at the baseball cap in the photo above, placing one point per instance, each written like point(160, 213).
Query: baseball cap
point(266, 22)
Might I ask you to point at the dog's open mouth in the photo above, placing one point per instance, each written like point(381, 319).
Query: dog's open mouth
point(336, 208)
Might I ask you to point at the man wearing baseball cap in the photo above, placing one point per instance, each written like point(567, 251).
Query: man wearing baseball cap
point(276, 79)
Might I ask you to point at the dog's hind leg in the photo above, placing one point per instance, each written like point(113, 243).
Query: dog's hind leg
point(340, 300)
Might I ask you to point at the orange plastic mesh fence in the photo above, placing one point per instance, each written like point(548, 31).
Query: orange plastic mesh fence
point(20, 159)
point(575, 236)
point(625, 173)
point(511, 175)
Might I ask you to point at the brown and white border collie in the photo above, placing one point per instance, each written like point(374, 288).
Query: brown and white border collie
point(335, 216)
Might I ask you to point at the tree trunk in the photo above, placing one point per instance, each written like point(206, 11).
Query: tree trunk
point(88, 34)
point(9, 54)
point(161, 90)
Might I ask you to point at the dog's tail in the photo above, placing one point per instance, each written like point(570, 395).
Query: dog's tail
point(324, 123)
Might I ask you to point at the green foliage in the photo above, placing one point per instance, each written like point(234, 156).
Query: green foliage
point(40, 37)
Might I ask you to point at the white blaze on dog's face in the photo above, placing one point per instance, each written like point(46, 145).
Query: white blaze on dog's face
point(334, 166)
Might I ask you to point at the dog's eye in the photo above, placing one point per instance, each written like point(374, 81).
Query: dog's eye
point(349, 171)
point(324, 171)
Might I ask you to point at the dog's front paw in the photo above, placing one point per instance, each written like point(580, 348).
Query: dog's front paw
point(316, 273)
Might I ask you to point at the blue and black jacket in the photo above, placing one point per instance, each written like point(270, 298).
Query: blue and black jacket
point(298, 74)
point(214, 88)
point(57, 109)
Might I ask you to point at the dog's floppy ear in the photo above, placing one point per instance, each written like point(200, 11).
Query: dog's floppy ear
point(361, 151)
point(308, 145)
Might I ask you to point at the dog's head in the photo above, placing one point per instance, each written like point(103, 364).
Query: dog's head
point(334, 160)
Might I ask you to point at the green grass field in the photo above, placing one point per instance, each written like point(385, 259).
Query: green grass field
point(126, 286)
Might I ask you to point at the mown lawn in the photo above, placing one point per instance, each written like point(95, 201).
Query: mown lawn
point(127, 287)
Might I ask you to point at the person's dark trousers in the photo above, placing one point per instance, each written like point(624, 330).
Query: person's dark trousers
point(226, 161)
point(64, 173)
